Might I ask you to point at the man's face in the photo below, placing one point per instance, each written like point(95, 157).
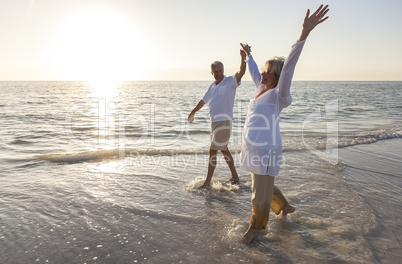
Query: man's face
point(217, 72)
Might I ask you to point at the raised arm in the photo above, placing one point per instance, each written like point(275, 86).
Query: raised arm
point(285, 80)
point(242, 70)
point(252, 66)
point(310, 22)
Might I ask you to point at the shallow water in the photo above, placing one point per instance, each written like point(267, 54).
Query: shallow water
point(374, 172)
point(118, 210)
point(110, 176)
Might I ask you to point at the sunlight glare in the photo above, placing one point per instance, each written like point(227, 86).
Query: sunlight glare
point(105, 89)
point(98, 45)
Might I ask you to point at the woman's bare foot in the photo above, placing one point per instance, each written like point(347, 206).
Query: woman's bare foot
point(286, 210)
point(250, 235)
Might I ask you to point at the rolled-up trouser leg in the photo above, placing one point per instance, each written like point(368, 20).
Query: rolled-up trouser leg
point(263, 190)
point(279, 201)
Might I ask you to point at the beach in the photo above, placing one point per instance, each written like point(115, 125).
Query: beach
point(379, 163)
point(111, 176)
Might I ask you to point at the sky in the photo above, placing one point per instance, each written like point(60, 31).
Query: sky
point(124, 40)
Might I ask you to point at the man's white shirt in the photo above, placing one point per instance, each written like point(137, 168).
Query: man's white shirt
point(220, 99)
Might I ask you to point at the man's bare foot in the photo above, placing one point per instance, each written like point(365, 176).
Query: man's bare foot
point(234, 180)
point(250, 235)
point(286, 210)
point(204, 186)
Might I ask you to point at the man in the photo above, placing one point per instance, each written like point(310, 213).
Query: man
point(220, 99)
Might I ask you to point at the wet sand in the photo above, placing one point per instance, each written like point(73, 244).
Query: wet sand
point(374, 172)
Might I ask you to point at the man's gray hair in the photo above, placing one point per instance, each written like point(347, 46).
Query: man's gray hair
point(216, 63)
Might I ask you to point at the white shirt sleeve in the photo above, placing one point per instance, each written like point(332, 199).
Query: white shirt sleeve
point(254, 72)
point(285, 80)
point(207, 96)
point(234, 83)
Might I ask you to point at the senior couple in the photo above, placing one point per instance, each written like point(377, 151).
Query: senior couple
point(261, 149)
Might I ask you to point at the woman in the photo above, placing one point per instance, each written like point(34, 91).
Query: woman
point(262, 144)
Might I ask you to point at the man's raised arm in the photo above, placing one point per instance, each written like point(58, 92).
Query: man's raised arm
point(242, 70)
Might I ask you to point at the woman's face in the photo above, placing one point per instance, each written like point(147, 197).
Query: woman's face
point(268, 78)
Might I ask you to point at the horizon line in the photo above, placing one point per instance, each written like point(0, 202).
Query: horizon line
point(193, 80)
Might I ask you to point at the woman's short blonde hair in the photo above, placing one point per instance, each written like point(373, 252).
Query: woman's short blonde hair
point(275, 66)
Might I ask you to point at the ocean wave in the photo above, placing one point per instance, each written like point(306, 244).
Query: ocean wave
point(311, 141)
point(180, 132)
point(365, 137)
point(84, 128)
point(104, 154)
point(321, 141)
point(19, 142)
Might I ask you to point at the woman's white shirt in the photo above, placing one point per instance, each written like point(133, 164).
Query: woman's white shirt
point(261, 151)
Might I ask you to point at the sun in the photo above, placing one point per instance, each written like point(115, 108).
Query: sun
point(100, 45)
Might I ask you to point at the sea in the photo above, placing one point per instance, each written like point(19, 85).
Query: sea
point(107, 172)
